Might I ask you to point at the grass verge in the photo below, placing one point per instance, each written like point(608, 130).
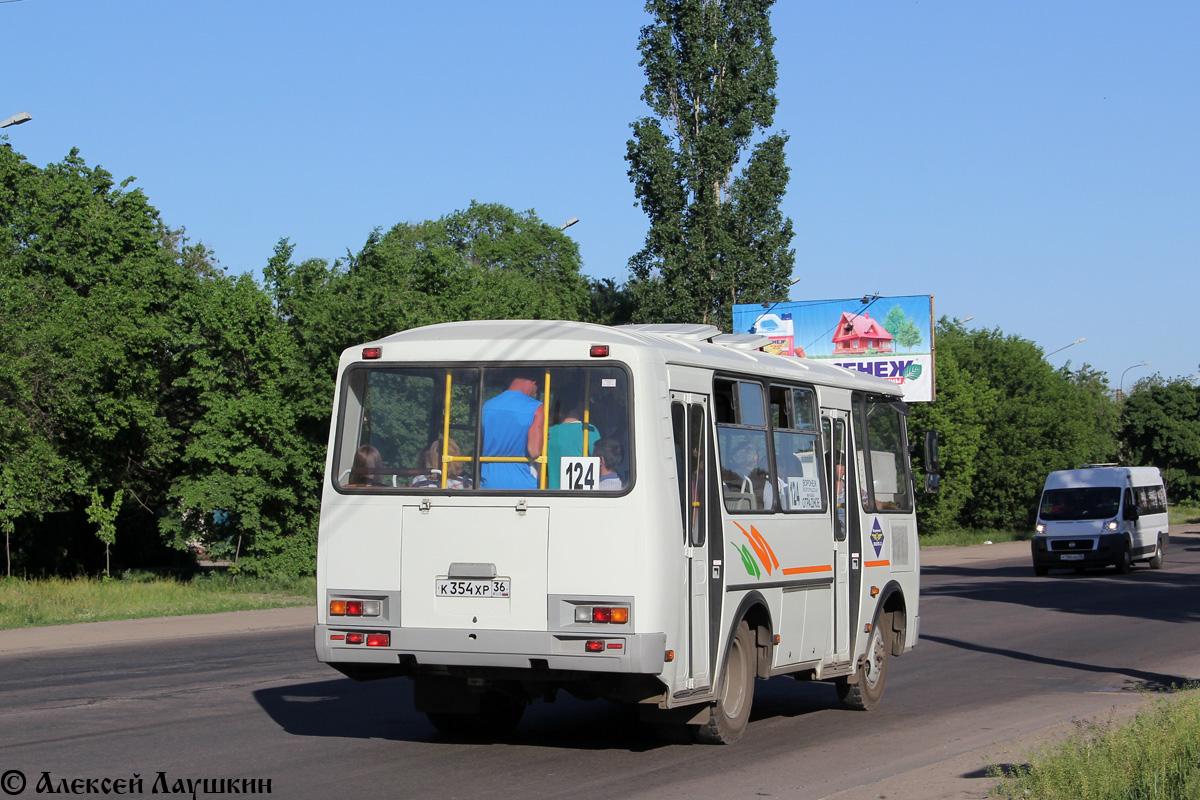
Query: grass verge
point(1183, 515)
point(1155, 756)
point(963, 538)
point(26, 603)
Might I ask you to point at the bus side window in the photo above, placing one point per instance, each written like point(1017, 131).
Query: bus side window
point(742, 443)
point(797, 452)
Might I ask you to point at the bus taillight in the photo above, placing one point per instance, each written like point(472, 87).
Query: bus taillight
point(355, 608)
point(615, 614)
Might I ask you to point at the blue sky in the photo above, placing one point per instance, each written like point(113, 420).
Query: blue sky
point(1031, 164)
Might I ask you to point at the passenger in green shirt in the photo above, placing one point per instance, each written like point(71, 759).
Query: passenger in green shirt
point(565, 440)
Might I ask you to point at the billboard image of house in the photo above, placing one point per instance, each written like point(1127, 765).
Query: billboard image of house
point(889, 337)
point(858, 334)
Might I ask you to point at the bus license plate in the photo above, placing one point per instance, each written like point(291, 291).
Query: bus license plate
point(495, 587)
point(1072, 556)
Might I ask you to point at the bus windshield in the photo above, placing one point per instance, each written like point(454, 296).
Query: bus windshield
point(470, 428)
point(1090, 502)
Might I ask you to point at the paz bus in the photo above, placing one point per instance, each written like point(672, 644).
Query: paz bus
point(654, 514)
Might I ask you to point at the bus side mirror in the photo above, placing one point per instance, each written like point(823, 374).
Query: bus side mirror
point(933, 464)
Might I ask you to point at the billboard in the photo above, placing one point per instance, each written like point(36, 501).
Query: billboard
point(889, 337)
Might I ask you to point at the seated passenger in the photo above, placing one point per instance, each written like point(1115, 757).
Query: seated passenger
point(431, 461)
point(609, 453)
point(366, 468)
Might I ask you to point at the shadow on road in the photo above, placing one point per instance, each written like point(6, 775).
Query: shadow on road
point(383, 709)
point(1142, 679)
point(1143, 594)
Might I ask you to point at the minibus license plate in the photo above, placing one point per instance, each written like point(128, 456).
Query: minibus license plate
point(495, 587)
point(1072, 556)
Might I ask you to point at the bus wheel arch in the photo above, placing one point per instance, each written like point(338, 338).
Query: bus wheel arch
point(892, 613)
point(747, 657)
point(729, 715)
point(755, 612)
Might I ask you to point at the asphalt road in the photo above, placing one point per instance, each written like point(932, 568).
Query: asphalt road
point(1005, 659)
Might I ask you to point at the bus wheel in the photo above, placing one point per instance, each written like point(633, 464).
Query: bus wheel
point(1157, 559)
point(1041, 570)
point(864, 691)
point(498, 714)
point(1125, 561)
point(727, 719)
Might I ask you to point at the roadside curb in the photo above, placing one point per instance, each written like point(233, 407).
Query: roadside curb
point(130, 631)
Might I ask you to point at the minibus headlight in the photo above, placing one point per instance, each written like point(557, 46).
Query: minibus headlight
point(1111, 525)
point(1040, 527)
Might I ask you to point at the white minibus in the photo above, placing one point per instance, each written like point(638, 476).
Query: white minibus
point(654, 514)
point(1101, 514)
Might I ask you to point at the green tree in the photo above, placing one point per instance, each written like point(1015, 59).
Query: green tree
point(247, 481)
point(1160, 426)
point(902, 328)
point(610, 304)
point(715, 239)
point(104, 517)
point(484, 262)
point(88, 316)
point(1006, 419)
point(960, 415)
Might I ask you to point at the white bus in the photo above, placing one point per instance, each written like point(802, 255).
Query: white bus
point(654, 514)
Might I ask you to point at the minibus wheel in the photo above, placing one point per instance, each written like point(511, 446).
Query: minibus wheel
point(727, 719)
point(1125, 560)
point(1157, 559)
point(864, 691)
point(1041, 570)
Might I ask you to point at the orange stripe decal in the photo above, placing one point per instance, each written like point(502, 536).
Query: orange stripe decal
point(804, 570)
point(762, 540)
point(884, 563)
point(757, 543)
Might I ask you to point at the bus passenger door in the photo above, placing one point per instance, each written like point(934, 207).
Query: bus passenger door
point(834, 425)
point(689, 422)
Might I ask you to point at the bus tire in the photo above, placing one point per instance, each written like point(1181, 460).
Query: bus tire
point(1041, 570)
point(1156, 560)
point(863, 691)
point(1125, 560)
point(728, 718)
point(498, 714)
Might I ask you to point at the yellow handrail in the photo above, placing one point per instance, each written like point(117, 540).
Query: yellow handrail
point(446, 433)
point(542, 459)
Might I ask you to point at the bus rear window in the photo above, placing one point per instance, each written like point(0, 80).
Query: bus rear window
point(528, 428)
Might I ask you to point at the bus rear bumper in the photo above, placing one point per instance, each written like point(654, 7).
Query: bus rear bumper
point(640, 653)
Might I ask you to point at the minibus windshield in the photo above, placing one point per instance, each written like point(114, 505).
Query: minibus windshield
point(1088, 502)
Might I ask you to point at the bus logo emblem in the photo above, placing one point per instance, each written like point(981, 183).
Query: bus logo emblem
point(877, 536)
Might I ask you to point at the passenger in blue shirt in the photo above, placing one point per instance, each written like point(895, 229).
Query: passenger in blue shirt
point(512, 426)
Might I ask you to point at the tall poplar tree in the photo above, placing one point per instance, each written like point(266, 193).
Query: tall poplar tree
point(715, 239)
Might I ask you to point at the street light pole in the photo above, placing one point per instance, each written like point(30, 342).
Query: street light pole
point(1121, 385)
point(16, 119)
point(1065, 346)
